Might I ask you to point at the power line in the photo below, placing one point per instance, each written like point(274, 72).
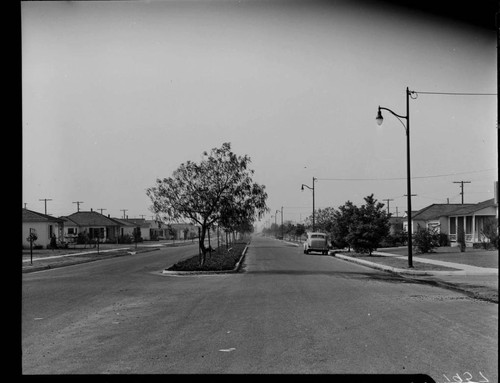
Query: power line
point(402, 178)
point(457, 93)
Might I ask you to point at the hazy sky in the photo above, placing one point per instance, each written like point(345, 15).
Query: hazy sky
point(116, 94)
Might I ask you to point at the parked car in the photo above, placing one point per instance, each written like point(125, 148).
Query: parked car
point(316, 242)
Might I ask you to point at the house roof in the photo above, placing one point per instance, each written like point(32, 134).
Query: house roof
point(437, 210)
point(123, 222)
point(33, 216)
point(464, 210)
point(91, 218)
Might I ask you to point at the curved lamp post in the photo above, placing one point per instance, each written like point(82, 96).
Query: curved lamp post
point(311, 188)
point(379, 120)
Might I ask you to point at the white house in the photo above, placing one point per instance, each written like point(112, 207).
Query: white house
point(44, 226)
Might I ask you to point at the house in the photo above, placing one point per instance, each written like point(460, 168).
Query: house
point(405, 221)
point(448, 218)
point(126, 226)
point(44, 226)
point(182, 231)
point(435, 217)
point(92, 224)
point(472, 220)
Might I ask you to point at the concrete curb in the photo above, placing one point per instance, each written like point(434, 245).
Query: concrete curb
point(188, 273)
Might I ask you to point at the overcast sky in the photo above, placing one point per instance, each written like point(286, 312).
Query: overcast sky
point(116, 94)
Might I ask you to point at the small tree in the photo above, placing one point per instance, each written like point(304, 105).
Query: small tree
point(53, 242)
point(370, 226)
point(425, 240)
point(343, 222)
point(461, 238)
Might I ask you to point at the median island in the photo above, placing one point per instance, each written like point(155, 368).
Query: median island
point(220, 259)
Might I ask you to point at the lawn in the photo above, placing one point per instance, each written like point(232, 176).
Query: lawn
point(219, 260)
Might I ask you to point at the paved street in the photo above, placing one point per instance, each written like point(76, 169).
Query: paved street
point(287, 312)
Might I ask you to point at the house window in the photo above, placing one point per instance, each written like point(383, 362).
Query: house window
point(72, 230)
point(453, 225)
point(51, 231)
point(468, 224)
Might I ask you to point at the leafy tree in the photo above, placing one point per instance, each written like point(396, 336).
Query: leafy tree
point(370, 226)
point(325, 219)
point(343, 221)
point(218, 189)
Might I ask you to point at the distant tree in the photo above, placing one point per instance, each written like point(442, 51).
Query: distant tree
point(218, 189)
point(300, 230)
point(370, 226)
point(343, 222)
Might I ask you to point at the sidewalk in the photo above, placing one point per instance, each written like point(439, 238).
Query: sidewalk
point(475, 281)
point(44, 262)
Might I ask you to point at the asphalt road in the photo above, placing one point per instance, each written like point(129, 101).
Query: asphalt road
point(286, 312)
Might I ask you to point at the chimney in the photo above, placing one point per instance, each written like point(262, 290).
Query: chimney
point(91, 209)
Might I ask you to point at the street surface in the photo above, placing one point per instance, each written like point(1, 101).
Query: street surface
point(286, 312)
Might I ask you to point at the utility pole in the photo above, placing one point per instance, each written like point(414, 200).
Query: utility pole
point(78, 205)
point(388, 211)
point(462, 188)
point(124, 210)
point(101, 209)
point(45, 199)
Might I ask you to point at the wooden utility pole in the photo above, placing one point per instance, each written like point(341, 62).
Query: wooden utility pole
point(388, 199)
point(45, 199)
point(462, 188)
point(78, 205)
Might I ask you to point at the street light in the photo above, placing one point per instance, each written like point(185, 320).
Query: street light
point(311, 188)
point(380, 120)
point(276, 223)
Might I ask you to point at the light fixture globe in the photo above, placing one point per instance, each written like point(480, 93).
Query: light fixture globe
point(379, 118)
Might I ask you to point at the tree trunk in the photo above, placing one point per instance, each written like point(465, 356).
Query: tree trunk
point(203, 254)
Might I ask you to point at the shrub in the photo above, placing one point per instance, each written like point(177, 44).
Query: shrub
point(490, 232)
point(444, 240)
point(425, 240)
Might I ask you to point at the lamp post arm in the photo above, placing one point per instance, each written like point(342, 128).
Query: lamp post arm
point(397, 115)
point(307, 187)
